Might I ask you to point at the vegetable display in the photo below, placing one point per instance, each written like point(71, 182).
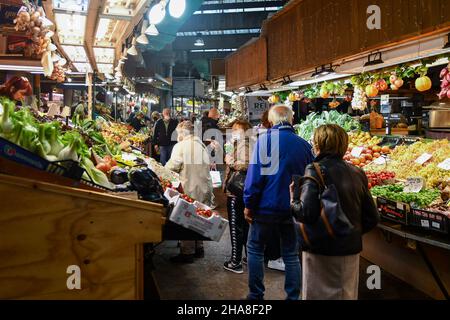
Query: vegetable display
point(421, 199)
point(314, 120)
point(445, 83)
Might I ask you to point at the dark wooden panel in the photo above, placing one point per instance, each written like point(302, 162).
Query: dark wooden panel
point(247, 66)
point(217, 67)
point(314, 32)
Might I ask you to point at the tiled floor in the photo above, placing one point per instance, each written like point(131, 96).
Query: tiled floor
point(206, 278)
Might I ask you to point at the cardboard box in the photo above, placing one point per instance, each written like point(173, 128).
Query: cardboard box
point(393, 210)
point(185, 214)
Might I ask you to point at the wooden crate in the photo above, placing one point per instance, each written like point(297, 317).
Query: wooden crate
point(45, 228)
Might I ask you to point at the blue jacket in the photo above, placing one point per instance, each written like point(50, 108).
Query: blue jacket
point(266, 189)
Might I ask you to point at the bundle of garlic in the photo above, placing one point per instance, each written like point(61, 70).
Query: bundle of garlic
point(359, 101)
point(33, 20)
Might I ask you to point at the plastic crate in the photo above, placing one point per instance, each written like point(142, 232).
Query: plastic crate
point(393, 210)
point(13, 152)
point(429, 220)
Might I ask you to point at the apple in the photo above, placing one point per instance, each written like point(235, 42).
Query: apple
point(392, 78)
point(368, 156)
point(376, 155)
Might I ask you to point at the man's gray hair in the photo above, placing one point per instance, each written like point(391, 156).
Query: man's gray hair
point(280, 113)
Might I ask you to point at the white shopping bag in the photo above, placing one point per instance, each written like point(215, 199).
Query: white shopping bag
point(216, 179)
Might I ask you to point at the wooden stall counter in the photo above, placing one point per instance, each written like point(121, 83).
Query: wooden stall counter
point(420, 259)
point(46, 228)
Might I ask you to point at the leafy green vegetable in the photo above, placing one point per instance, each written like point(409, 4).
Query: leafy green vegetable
point(314, 120)
point(395, 192)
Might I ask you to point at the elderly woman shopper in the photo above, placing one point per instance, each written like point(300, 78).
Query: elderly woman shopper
point(331, 265)
point(237, 159)
point(190, 159)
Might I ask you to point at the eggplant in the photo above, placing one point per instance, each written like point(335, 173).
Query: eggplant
point(119, 176)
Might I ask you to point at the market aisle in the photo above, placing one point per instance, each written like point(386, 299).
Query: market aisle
point(206, 279)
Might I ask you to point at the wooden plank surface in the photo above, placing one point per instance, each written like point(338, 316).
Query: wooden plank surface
point(44, 229)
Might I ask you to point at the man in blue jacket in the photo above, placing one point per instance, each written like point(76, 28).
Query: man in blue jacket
point(278, 155)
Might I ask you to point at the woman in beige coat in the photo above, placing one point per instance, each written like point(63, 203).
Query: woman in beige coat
point(190, 159)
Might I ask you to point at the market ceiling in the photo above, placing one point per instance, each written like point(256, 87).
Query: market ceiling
point(223, 25)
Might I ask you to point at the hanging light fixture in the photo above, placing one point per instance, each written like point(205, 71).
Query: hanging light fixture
point(152, 31)
point(124, 54)
point(142, 39)
point(132, 50)
point(157, 13)
point(199, 41)
point(177, 7)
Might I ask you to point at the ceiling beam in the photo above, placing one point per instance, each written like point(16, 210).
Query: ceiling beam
point(91, 28)
point(257, 4)
point(247, 20)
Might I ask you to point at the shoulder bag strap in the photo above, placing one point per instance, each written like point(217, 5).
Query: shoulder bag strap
point(319, 173)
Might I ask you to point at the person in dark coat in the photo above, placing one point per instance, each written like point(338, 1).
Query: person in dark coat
point(331, 265)
point(164, 136)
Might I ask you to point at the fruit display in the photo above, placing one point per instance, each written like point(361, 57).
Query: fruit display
point(368, 154)
point(361, 138)
point(120, 133)
point(163, 173)
point(402, 161)
point(421, 199)
point(371, 90)
point(334, 104)
point(396, 81)
point(186, 198)
point(445, 83)
point(274, 99)
point(380, 178)
point(314, 120)
point(205, 212)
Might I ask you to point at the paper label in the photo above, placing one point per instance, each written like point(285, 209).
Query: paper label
point(380, 160)
point(435, 224)
point(414, 184)
point(425, 223)
point(445, 164)
point(356, 151)
point(400, 206)
point(423, 158)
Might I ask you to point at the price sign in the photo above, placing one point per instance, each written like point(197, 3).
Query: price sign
point(423, 158)
point(380, 160)
point(445, 164)
point(414, 184)
point(356, 151)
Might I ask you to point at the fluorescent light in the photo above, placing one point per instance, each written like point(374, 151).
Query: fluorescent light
point(9, 67)
point(151, 30)
point(177, 7)
point(157, 13)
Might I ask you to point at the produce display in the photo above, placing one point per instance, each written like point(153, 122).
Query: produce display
point(314, 120)
point(361, 138)
point(421, 199)
point(367, 155)
point(163, 173)
point(120, 133)
point(402, 161)
point(359, 101)
point(445, 82)
point(380, 178)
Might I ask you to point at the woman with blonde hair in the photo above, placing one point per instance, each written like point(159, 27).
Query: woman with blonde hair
point(237, 159)
point(331, 265)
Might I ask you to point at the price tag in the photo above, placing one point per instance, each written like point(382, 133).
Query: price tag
point(380, 160)
point(445, 164)
point(356, 151)
point(423, 158)
point(414, 184)
point(384, 99)
point(425, 223)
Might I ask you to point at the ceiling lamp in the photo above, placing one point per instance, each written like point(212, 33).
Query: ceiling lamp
point(157, 13)
point(324, 70)
point(199, 41)
point(142, 39)
point(373, 59)
point(132, 50)
point(177, 7)
point(152, 31)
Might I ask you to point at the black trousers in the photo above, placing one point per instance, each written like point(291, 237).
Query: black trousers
point(238, 227)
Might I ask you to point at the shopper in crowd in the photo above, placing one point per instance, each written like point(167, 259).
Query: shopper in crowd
point(191, 161)
point(331, 266)
point(237, 159)
point(163, 135)
point(155, 116)
point(80, 109)
point(278, 155)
